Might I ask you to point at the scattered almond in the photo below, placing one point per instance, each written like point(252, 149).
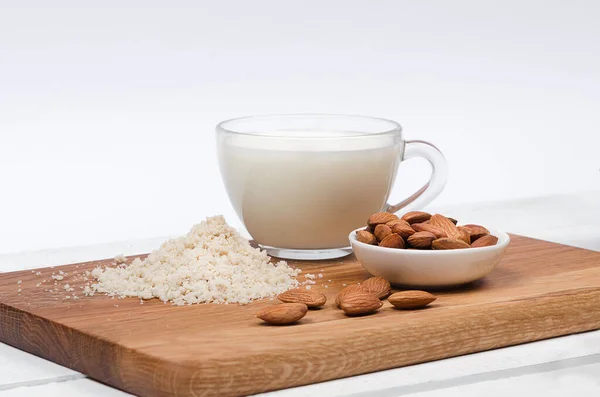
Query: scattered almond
point(411, 299)
point(392, 241)
point(366, 237)
point(416, 217)
point(448, 243)
point(428, 227)
point(485, 241)
point(381, 217)
point(282, 314)
point(378, 285)
point(476, 231)
point(421, 240)
point(347, 290)
point(382, 231)
point(360, 302)
point(308, 297)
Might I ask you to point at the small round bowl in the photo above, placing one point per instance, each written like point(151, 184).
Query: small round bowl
point(429, 268)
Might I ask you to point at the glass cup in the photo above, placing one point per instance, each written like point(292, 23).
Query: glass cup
point(300, 183)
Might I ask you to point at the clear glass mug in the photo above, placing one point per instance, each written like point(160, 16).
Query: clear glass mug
point(301, 182)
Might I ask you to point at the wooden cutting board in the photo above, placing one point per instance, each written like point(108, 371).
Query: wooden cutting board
point(540, 290)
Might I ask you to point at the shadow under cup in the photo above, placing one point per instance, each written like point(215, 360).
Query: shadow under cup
point(301, 183)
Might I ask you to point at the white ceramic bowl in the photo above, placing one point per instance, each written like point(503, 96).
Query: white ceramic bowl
point(428, 268)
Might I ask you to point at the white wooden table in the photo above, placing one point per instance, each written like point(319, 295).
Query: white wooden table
point(555, 367)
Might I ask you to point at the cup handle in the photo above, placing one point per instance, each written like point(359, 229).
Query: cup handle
point(439, 176)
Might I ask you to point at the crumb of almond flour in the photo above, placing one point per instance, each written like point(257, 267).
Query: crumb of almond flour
point(213, 263)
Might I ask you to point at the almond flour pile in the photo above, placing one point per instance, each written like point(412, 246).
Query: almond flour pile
point(213, 263)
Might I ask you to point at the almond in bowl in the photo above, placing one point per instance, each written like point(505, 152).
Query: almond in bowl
point(421, 230)
point(439, 252)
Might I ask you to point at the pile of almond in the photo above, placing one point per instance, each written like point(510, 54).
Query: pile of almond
point(354, 300)
point(423, 231)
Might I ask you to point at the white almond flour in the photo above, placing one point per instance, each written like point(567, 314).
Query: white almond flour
point(213, 263)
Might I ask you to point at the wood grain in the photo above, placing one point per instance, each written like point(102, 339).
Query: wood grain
point(540, 290)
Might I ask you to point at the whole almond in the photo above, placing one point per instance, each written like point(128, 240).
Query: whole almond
point(421, 240)
point(381, 217)
point(485, 241)
point(392, 241)
point(282, 314)
point(392, 223)
point(448, 243)
point(464, 235)
point(428, 227)
point(416, 217)
point(378, 285)
point(309, 298)
point(348, 290)
point(411, 299)
point(465, 229)
point(358, 303)
point(382, 231)
point(476, 231)
point(366, 237)
point(445, 224)
point(403, 229)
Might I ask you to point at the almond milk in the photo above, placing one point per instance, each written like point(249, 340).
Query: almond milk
point(307, 195)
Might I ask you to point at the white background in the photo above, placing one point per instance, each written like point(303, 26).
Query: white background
point(107, 108)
